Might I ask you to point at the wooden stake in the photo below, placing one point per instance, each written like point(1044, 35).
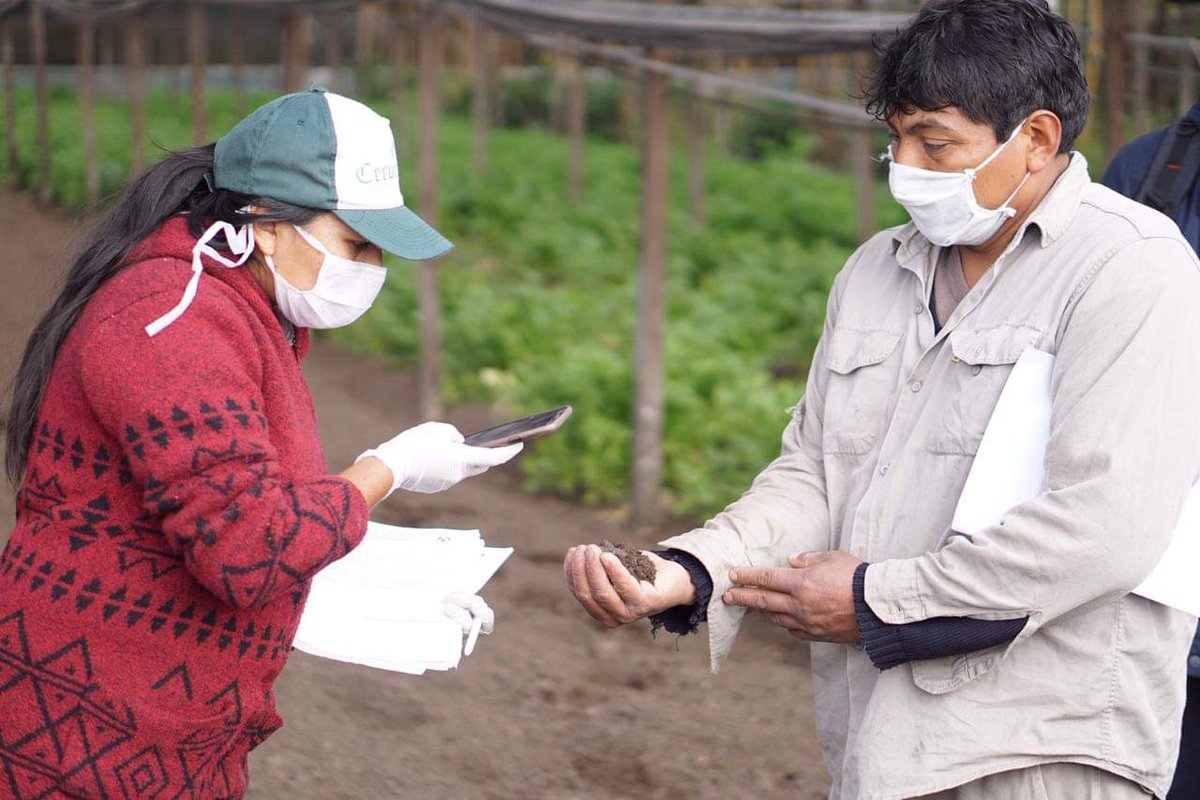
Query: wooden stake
point(576, 87)
point(87, 110)
point(365, 15)
point(1141, 71)
point(400, 124)
point(1114, 27)
point(1187, 81)
point(481, 89)
point(135, 64)
point(429, 54)
point(237, 54)
point(37, 32)
point(10, 105)
point(649, 350)
point(332, 35)
point(297, 32)
point(198, 49)
point(697, 161)
point(864, 164)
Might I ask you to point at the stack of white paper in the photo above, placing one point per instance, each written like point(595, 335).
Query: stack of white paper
point(1009, 469)
point(381, 605)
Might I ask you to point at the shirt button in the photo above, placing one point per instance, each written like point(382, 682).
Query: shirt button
point(1194, 662)
point(919, 309)
point(859, 645)
point(916, 386)
point(975, 370)
point(883, 470)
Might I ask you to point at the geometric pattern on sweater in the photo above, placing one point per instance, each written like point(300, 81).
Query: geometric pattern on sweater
point(210, 626)
point(209, 433)
point(78, 737)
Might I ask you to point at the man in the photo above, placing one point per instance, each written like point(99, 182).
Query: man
point(1013, 663)
point(1160, 169)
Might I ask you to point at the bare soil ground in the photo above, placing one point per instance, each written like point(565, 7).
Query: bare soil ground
point(551, 705)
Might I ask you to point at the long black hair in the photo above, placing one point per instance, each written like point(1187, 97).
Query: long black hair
point(180, 182)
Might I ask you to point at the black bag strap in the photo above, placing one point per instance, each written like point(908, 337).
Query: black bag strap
point(1174, 169)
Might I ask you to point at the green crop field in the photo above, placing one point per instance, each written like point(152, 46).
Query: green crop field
point(539, 296)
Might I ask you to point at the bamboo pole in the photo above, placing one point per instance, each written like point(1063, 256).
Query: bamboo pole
point(198, 50)
point(649, 349)
point(87, 110)
point(429, 54)
point(576, 86)
point(10, 105)
point(37, 33)
point(135, 63)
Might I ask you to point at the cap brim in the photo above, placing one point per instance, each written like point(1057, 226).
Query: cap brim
point(398, 231)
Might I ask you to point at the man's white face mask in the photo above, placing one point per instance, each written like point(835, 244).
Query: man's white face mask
point(343, 292)
point(942, 204)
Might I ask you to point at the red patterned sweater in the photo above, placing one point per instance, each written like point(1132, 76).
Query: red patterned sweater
point(175, 506)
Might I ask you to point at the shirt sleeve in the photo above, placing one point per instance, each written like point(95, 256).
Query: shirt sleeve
point(1123, 454)
point(785, 511)
point(187, 407)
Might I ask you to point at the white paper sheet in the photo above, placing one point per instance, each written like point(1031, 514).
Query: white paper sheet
point(1009, 469)
point(381, 605)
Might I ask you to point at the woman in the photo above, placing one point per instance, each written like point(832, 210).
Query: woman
point(174, 500)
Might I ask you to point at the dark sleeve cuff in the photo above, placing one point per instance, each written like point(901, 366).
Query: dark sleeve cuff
point(882, 641)
point(892, 645)
point(683, 620)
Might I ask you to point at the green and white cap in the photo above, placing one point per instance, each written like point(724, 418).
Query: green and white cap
point(320, 150)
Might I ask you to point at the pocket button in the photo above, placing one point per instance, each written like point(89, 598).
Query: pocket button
point(975, 370)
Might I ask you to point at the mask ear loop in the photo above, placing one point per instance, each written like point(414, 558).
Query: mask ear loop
point(973, 171)
point(241, 244)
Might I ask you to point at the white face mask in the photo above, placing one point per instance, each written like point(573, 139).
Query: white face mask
point(343, 292)
point(943, 205)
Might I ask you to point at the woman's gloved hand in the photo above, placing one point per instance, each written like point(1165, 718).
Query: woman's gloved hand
point(432, 457)
point(470, 611)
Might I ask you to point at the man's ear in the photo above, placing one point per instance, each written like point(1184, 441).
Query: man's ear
point(1045, 135)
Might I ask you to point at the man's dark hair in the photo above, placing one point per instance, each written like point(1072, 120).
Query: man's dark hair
point(996, 61)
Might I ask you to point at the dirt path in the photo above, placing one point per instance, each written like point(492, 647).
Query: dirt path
point(551, 705)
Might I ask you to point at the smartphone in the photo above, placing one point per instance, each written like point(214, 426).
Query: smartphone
point(521, 430)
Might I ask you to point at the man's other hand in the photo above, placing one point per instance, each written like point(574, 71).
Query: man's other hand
point(813, 598)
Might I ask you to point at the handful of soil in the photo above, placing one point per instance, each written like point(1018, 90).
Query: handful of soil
point(638, 564)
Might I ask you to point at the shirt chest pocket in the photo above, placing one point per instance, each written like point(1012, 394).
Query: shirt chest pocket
point(980, 363)
point(862, 368)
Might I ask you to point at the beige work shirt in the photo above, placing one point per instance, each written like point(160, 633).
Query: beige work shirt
point(877, 453)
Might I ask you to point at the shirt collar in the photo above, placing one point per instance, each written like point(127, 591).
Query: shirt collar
point(1052, 216)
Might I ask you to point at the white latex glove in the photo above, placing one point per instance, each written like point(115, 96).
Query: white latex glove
point(470, 611)
point(432, 457)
